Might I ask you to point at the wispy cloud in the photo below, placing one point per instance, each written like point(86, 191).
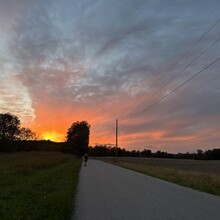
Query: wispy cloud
point(97, 60)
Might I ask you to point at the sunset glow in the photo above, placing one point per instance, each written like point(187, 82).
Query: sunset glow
point(68, 61)
point(53, 136)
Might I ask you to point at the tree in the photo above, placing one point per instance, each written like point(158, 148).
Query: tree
point(9, 127)
point(27, 134)
point(146, 153)
point(78, 136)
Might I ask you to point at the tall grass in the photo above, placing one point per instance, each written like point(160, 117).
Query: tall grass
point(37, 185)
point(209, 183)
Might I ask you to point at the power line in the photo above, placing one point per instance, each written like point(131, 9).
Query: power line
point(175, 63)
point(185, 82)
point(150, 106)
point(203, 52)
point(182, 84)
point(187, 50)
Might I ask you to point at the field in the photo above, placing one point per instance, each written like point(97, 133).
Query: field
point(37, 185)
point(199, 175)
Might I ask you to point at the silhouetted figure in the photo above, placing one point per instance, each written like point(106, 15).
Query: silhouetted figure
point(85, 159)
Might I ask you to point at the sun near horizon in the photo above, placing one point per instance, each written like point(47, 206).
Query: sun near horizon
point(53, 136)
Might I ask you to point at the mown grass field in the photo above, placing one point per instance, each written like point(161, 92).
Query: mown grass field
point(200, 175)
point(37, 185)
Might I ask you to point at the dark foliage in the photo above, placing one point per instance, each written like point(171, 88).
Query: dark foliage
point(27, 145)
point(104, 150)
point(9, 127)
point(26, 134)
point(78, 137)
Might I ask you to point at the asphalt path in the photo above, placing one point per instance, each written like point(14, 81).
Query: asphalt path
point(109, 192)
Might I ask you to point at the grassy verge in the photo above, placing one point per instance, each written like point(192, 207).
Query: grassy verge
point(204, 182)
point(37, 185)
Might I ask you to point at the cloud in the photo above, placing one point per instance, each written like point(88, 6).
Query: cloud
point(99, 59)
point(16, 100)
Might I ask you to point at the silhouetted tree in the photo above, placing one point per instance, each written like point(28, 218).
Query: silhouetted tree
point(78, 136)
point(9, 127)
point(146, 153)
point(135, 153)
point(27, 134)
point(104, 150)
point(215, 154)
point(199, 152)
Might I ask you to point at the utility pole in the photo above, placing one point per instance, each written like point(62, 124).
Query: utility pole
point(116, 153)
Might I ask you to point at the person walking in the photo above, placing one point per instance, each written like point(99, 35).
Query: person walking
point(85, 159)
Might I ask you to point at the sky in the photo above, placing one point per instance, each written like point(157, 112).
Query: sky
point(63, 61)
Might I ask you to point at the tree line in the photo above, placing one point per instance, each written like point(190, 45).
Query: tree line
point(105, 150)
point(10, 129)
point(13, 137)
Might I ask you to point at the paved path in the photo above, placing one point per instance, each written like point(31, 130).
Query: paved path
point(108, 192)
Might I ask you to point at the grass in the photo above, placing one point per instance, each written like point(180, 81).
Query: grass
point(205, 182)
point(37, 185)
